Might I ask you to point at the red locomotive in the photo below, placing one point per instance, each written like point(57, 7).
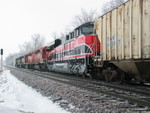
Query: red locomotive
point(37, 59)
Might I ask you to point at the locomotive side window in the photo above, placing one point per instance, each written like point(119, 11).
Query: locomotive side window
point(67, 37)
point(77, 32)
point(72, 35)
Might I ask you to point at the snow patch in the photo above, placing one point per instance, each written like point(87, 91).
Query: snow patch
point(18, 97)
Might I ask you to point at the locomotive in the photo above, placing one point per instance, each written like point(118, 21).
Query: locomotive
point(74, 53)
point(115, 47)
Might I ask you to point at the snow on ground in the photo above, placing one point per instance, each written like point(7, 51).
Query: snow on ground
point(16, 97)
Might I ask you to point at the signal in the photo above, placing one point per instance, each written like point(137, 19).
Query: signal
point(1, 51)
point(1, 58)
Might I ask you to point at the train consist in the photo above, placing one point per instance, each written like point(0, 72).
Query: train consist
point(71, 54)
point(115, 47)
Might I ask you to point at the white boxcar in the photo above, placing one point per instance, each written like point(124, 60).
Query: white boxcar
point(124, 34)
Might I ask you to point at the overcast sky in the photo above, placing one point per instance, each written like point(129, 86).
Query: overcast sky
point(20, 19)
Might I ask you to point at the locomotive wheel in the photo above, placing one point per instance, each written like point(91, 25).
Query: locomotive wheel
point(110, 75)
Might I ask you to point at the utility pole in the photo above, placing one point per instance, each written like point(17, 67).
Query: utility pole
point(1, 57)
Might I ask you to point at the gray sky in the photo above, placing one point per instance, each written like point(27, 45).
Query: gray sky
point(20, 19)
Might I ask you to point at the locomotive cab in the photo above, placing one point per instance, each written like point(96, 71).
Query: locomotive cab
point(85, 29)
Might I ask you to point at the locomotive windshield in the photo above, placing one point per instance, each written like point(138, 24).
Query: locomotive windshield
point(87, 30)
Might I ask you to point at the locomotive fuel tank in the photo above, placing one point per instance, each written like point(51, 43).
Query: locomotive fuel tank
point(60, 67)
point(124, 34)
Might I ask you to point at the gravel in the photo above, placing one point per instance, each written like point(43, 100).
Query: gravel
point(77, 100)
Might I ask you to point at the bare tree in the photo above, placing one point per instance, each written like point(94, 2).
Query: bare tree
point(108, 6)
point(55, 36)
point(85, 16)
point(25, 48)
point(37, 41)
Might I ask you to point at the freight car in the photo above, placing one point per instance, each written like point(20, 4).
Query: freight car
point(124, 34)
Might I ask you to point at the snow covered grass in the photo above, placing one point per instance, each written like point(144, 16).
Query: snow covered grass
point(16, 97)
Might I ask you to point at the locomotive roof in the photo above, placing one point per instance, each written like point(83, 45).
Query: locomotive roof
point(85, 24)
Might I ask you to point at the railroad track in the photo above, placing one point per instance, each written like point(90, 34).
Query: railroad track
point(131, 94)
